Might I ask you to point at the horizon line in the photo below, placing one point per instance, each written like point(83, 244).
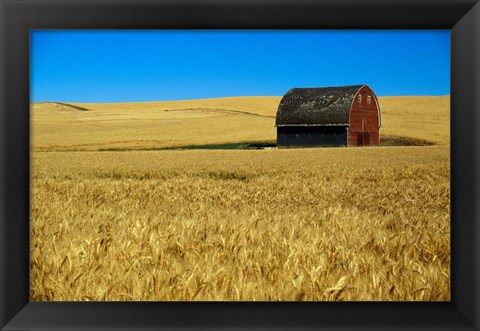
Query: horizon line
point(220, 97)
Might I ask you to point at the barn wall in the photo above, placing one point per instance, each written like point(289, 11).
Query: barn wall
point(364, 119)
point(312, 136)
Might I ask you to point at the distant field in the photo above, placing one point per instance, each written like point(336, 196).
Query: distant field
point(118, 215)
point(60, 127)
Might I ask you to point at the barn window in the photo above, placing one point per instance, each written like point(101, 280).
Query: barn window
point(369, 99)
point(359, 98)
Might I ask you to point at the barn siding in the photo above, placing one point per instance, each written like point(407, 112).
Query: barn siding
point(312, 136)
point(364, 118)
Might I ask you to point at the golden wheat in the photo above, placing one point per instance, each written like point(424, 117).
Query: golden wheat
point(211, 121)
point(289, 224)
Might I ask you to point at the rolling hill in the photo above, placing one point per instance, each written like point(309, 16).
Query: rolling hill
point(146, 125)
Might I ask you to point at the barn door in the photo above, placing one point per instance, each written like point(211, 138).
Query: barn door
point(359, 138)
point(363, 138)
point(366, 138)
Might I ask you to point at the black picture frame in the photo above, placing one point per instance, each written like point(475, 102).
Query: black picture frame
point(17, 17)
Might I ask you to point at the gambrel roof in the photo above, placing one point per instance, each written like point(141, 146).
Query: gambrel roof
point(322, 106)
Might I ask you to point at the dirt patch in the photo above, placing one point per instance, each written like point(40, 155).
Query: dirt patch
point(239, 145)
point(403, 141)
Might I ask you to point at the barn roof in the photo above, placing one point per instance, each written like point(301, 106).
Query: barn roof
point(316, 106)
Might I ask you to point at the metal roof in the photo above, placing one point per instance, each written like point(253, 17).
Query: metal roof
point(316, 106)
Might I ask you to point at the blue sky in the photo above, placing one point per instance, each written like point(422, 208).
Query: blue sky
point(149, 65)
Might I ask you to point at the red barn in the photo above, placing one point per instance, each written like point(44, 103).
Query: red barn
point(329, 116)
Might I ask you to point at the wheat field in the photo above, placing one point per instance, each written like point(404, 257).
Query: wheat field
point(130, 201)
